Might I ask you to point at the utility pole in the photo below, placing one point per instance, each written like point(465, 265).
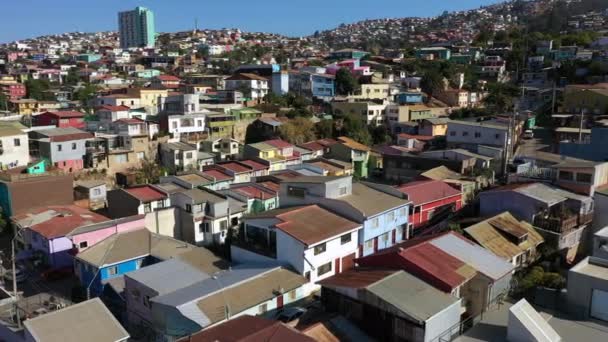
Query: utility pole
point(580, 129)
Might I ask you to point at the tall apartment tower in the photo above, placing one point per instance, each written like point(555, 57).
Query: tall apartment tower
point(136, 28)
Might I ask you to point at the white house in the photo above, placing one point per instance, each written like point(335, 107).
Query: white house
point(14, 146)
point(186, 124)
point(316, 242)
point(256, 86)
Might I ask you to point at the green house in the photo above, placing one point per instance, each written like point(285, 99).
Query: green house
point(246, 113)
point(37, 168)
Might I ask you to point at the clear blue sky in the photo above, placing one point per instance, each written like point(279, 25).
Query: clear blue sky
point(30, 18)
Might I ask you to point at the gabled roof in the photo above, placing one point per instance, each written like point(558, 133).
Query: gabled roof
point(235, 166)
point(168, 78)
point(217, 175)
point(131, 245)
point(490, 234)
point(370, 202)
point(427, 191)
point(57, 221)
point(146, 193)
point(62, 134)
point(251, 191)
point(309, 224)
point(278, 143)
point(87, 321)
point(256, 166)
point(246, 77)
point(312, 146)
point(115, 108)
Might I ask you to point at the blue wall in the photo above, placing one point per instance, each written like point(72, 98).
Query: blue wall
point(322, 86)
point(404, 98)
point(86, 275)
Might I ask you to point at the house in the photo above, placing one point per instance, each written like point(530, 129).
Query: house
point(64, 148)
point(468, 186)
point(220, 126)
point(184, 126)
point(241, 172)
point(119, 152)
point(92, 192)
point(433, 53)
point(452, 264)
point(60, 119)
point(277, 154)
point(206, 216)
point(178, 156)
point(94, 323)
point(253, 86)
point(246, 327)
point(220, 177)
point(14, 146)
point(258, 168)
point(43, 232)
point(128, 251)
point(512, 240)
point(560, 216)
point(470, 134)
point(476, 160)
point(223, 148)
point(526, 324)
point(430, 198)
point(330, 167)
point(351, 151)
point(312, 84)
point(179, 303)
point(137, 200)
point(316, 242)
point(382, 210)
point(347, 54)
point(19, 191)
point(166, 81)
point(258, 197)
point(587, 150)
point(392, 305)
point(588, 282)
point(109, 113)
point(589, 99)
point(115, 100)
point(433, 127)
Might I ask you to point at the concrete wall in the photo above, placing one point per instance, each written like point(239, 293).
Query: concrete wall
point(443, 322)
point(12, 154)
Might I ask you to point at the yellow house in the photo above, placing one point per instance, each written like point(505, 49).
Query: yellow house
point(148, 97)
point(24, 106)
point(374, 91)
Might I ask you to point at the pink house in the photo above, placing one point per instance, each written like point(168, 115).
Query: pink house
point(87, 236)
point(351, 64)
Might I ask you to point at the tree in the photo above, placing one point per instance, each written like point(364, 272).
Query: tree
point(149, 172)
point(325, 129)
point(298, 131)
point(85, 95)
point(72, 78)
point(380, 135)
point(346, 83)
point(431, 83)
point(501, 97)
point(354, 128)
point(3, 101)
point(36, 89)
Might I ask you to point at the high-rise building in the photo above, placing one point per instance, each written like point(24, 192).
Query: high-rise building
point(136, 28)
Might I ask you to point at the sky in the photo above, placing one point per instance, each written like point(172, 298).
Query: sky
point(31, 18)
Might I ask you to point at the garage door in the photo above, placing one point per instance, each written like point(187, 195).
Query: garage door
point(599, 305)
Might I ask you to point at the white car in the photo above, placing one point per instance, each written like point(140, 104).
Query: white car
point(528, 134)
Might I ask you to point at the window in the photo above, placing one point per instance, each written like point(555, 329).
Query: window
point(189, 155)
point(307, 275)
point(465, 134)
point(583, 178)
point(374, 222)
point(346, 238)
point(343, 191)
point(403, 211)
point(323, 269)
point(17, 142)
point(320, 248)
point(141, 155)
point(369, 244)
point(83, 244)
point(296, 192)
point(73, 146)
point(391, 216)
point(497, 136)
point(291, 295)
point(223, 225)
point(147, 301)
point(96, 192)
point(121, 158)
point(566, 175)
point(203, 227)
point(188, 208)
point(385, 237)
point(477, 135)
point(174, 125)
point(59, 147)
point(147, 208)
point(453, 133)
point(113, 270)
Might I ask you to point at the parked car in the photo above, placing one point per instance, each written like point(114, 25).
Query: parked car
point(290, 314)
point(20, 274)
point(57, 273)
point(528, 134)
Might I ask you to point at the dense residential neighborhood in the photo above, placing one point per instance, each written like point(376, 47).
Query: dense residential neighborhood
point(415, 179)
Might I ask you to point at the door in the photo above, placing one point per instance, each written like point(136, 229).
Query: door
point(599, 305)
point(280, 302)
point(348, 262)
point(375, 244)
point(337, 266)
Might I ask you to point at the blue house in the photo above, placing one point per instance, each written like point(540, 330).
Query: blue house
point(312, 84)
point(122, 253)
point(409, 97)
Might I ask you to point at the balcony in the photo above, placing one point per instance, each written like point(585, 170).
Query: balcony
point(564, 224)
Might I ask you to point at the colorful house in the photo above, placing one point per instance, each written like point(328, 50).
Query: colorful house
point(65, 148)
point(46, 231)
point(60, 119)
point(430, 198)
point(258, 197)
point(349, 150)
point(277, 154)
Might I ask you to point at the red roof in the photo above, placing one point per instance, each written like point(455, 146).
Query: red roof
point(254, 164)
point(114, 108)
point(425, 261)
point(327, 142)
point(168, 78)
point(131, 121)
point(146, 193)
point(426, 191)
point(278, 143)
point(66, 114)
point(60, 220)
point(357, 278)
point(234, 167)
point(274, 186)
point(312, 146)
point(217, 175)
point(255, 192)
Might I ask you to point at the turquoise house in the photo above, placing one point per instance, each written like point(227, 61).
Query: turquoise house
point(258, 198)
point(37, 168)
point(88, 57)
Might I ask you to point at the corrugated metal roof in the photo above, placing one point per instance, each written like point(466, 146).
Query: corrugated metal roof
point(411, 295)
point(168, 276)
point(489, 237)
point(426, 191)
point(371, 202)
